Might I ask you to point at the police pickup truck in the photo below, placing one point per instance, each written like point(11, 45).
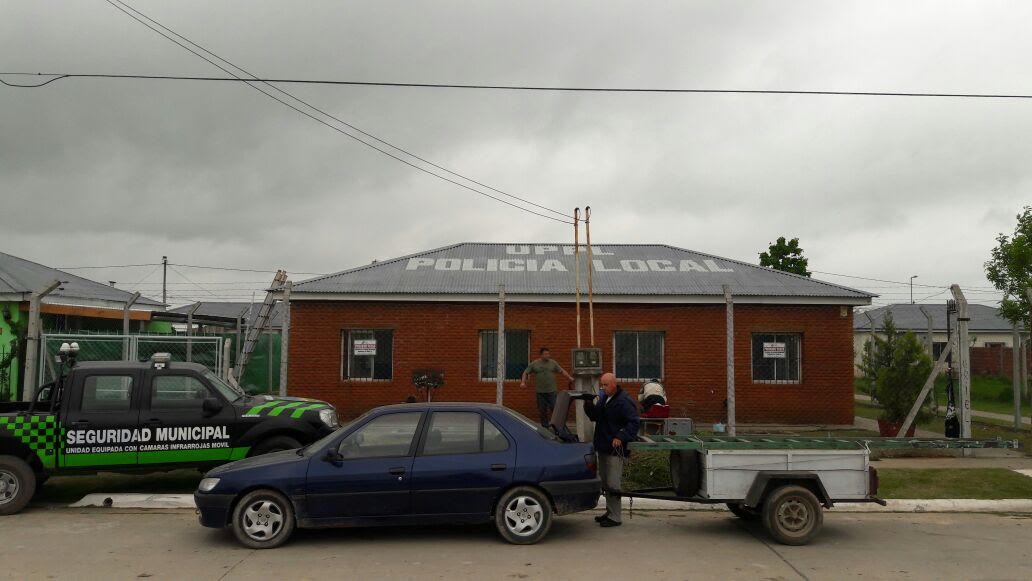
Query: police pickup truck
point(125, 416)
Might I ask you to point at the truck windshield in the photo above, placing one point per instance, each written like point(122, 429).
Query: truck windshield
point(228, 391)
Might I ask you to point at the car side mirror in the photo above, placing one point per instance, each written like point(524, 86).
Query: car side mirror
point(332, 455)
point(211, 406)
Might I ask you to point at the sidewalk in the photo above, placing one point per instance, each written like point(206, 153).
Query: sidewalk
point(976, 413)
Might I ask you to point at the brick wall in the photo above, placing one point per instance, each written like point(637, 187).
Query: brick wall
point(993, 360)
point(445, 336)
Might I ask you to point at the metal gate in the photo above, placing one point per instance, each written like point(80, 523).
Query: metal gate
point(203, 349)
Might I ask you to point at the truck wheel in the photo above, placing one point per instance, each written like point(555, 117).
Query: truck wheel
point(17, 484)
point(742, 512)
point(275, 444)
point(523, 515)
point(685, 471)
point(263, 519)
point(792, 515)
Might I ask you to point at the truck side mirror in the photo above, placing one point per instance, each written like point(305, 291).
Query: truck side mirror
point(211, 406)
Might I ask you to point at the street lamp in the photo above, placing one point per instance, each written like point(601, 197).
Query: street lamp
point(912, 288)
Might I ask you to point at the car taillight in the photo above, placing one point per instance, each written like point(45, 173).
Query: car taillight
point(872, 481)
point(589, 460)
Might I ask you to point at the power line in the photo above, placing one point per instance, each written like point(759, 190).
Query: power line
point(538, 88)
point(132, 13)
point(108, 266)
point(190, 281)
point(233, 269)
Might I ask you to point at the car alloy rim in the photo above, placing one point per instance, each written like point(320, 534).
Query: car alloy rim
point(793, 515)
point(524, 516)
point(8, 486)
point(263, 520)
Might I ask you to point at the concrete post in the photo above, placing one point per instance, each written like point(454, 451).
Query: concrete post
point(964, 355)
point(729, 302)
point(189, 330)
point(32, 346)
point(125, 325)
point(1016, 374)
point(500, 348)
point(285, 339)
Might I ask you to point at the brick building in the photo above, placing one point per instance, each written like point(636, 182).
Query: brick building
point(357, 336)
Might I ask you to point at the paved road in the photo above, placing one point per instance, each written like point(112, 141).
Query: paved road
point(84, 544)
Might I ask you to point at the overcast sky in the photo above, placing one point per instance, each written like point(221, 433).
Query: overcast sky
point(98, 172)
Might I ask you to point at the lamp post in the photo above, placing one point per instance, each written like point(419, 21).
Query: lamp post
point(912, 288)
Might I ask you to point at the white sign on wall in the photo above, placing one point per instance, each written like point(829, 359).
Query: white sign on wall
point(363, 347)
point(773, 350)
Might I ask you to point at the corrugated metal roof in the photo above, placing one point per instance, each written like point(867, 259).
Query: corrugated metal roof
point(548, 269)
point(909, 317)
point(20, 276)
point(232, 309)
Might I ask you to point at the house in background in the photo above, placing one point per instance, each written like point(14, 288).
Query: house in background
point(986, 328)
point(77, 305)
point(222, 316)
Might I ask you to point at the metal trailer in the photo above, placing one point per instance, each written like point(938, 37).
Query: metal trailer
point(783, 481)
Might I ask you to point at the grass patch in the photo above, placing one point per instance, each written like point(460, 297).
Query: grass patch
point(988, 394)
point(977, 483)
point(67, 489)
point(981, 429)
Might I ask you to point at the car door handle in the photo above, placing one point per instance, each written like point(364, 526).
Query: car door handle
point(498, 467)
point(397, 471)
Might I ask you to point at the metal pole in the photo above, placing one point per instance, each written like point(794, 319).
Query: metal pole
point(500, 344)
point(591, 303)
point(227, 348)
point(239, 336)
point(285, 339)
point(1016, 375)
point(730, 360)
point(189, 330)
point(164, 278)
point(125, 325)
point(32, 346)
point(964, 355)
point(576, 266)
point(912, 288)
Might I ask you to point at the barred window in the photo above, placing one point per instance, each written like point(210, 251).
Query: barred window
point(517, 354)
point(776, 357)
point(638, 354)
point(368, 354)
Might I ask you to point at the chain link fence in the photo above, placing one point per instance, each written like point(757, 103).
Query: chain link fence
point(203, 349)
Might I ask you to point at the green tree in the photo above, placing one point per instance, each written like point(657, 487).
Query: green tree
point(900, 382)
point(877, 354)
point(786, 257)
point(1010, 269)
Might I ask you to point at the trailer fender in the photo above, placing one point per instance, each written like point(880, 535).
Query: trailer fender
point(767, 481)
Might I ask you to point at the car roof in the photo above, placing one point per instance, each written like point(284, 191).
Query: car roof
point(444, 405)
point(173, 365)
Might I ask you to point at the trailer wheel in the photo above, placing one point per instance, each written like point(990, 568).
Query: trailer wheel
point(685, 471)
point(743, 512)
point(792, 515)
point(17, 484)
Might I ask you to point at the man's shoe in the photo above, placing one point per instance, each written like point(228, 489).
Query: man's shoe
point(602, 517)
point(608, 522)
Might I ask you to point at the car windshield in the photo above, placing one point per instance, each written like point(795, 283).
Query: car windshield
point(542, 431)
point(228, 391)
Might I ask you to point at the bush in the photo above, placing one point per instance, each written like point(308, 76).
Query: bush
point(899, 382)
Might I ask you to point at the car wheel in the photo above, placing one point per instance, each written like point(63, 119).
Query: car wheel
point(742, 512)
point(17, 484)
point(263, 519)
point(275, 444)
point(792, 515)
point(523, 515)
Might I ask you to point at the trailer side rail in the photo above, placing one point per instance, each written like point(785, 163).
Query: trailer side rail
point(760, 442)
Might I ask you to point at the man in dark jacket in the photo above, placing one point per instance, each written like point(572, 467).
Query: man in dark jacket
point(616, 424)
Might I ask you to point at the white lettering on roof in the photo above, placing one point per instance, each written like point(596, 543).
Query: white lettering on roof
point(555, 265)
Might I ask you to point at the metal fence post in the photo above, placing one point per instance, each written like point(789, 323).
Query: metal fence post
point(32, 346)
point(730, 305)
point(500, 357)
point(1016, 355)
point(189, 330)
point(285, 339)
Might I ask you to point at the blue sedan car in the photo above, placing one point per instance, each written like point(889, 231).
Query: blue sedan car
point(407, 464)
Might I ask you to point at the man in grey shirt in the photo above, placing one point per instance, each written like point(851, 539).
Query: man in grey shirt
point(544, 369)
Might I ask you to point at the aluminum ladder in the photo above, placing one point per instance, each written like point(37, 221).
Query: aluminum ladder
point(254, 332)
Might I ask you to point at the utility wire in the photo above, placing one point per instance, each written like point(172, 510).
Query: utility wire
point(187, 279)
point(544, 88)
point(108, 266)
point(147, 20)
point(232, 269)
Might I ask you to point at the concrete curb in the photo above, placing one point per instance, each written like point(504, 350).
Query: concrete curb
point(1016, 505)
